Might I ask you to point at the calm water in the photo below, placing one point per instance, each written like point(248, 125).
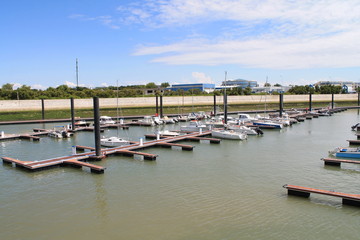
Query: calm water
point(232, 190)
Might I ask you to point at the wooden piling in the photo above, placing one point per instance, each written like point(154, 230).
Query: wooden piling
point(97, 126)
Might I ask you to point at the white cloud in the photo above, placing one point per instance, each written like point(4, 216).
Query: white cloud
point(17, 85)
point(38, 86)
point(274, 34)
point(70, 84)
point(285, 34)
point(201, 77)
point(106, 20)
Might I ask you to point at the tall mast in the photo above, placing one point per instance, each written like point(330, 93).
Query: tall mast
point(77, 73)
point(225, 101)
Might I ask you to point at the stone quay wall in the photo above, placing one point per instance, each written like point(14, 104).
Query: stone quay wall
point(53, 104)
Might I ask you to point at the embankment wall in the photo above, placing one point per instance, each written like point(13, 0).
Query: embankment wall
point(53, 104)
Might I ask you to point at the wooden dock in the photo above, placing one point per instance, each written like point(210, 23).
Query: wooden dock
point(77, 160)
point(354, 142)
point(337, 162)
point(349, 199)
point(28, 136)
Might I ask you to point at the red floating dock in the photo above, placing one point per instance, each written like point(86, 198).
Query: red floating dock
point(349, 199)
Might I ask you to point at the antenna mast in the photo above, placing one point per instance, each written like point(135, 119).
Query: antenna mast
point(77, 73)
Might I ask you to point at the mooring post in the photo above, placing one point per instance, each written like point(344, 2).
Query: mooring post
point(97, 127)
point(157, 105)
point(281, 106)
point(42, 109)
point(214, 105)
point(225, 108)
point(310, 102)
point(72, 114)
point(161, 106)
point(332, 101)
point(358, 98)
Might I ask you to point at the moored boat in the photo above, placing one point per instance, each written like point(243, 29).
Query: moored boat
point(59, 132)
point(346, 152)
point(106, 120)
point(228, 134)
point(194, 126)
point(113, 142)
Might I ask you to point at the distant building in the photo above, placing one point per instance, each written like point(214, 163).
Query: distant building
point(152, 91)
point(204, 87)
point(280, 89)
point(240, 83)
point(349, 86)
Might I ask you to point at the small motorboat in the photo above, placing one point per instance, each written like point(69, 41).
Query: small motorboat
point(346, 152)
point(245, 129)
point(59, 132)
point(194, 126)
point(167, 133)
point(81, 123)
point(104, 120)
point(146, 121)
point(228, 134)
point(113, 142)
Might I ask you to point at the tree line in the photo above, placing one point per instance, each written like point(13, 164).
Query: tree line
point(7, 91)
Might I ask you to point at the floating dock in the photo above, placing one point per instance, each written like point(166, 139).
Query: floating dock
point(337, 162)
point(348, 199)
point(77, 160)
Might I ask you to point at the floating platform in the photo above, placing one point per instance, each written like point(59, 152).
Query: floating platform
point(77, 160)
point(354, 142)
point(349, 199)
point(337, 162)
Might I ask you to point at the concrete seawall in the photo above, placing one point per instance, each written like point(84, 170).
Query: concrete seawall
point(26, 105)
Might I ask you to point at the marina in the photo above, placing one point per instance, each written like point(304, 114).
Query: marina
point(229, 190)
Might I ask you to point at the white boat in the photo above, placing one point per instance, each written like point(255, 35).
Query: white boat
point(168, 120)
point(81, 123)
point(168, 133)
point(194, 126)
point(158, 121)
point(147, 121)
point(228, 134)
point(245, 129)
point(104, 120)
point(183, 118)
point(244, 118)
point(59, 132)
point(268, 123)
point(113, 142)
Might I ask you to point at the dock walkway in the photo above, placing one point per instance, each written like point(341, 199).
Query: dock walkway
point(129, 150)
point(349, 199)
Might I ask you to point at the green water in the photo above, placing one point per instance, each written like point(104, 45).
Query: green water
point(232, 190)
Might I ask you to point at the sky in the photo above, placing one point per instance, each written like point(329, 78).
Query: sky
point(134, 42)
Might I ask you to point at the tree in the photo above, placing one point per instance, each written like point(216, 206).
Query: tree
point(165, 84)
point(267, 85)
point(247, 91)
point(7, 87)
point(277, 85)
point(151, 85)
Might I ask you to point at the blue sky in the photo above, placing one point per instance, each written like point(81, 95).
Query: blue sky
point(178, 41)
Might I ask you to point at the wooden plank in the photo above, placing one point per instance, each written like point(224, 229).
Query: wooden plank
point(323, 192)
point(147, 156)
point(183, 146)
point(95, 168)
point(79, 147)
point(334, 160)
point(212, 140)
